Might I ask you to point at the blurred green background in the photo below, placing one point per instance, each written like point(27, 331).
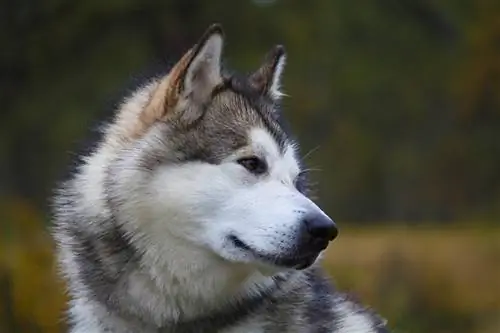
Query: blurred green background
point(397, 101)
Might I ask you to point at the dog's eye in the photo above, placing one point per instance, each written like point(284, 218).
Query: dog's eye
point(253, 164)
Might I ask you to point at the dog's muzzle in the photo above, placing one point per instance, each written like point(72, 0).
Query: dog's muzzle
point(316, 232)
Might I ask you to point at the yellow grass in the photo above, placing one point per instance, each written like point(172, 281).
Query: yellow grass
point(423, 279)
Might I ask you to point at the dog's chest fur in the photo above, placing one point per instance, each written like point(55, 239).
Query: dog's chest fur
point(295, 302)
point(144, 228)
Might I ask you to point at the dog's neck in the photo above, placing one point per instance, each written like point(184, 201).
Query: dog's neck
point(189, 276)
point(174, 283)
point(170, 280)
point(171, 286)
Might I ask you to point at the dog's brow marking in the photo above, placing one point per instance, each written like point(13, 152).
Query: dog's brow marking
point(263, 142)
point(283, 166)
point(160, 230)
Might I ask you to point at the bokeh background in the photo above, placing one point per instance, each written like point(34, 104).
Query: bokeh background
point(396, 102)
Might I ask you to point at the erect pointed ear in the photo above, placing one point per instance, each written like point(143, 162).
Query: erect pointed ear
point(267, 79)
point(199, 71)
point(190, 82)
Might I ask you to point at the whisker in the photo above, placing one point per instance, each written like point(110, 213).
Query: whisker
point(311, 169)
point(310, 152)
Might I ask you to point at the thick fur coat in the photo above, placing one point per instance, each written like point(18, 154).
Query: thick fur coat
point(192, 213)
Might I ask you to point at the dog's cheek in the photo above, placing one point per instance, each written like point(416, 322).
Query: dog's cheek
point(263, 211)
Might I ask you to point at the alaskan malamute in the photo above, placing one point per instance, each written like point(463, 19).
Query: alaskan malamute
point(192, 213)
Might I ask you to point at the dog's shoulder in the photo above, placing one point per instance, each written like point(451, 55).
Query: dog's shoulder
point(311, 302)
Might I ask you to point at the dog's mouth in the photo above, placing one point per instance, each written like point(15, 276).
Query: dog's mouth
point(298, 261)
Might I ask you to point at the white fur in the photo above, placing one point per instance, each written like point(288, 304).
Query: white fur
point(182, 215)
point(352, 322)
point(275, 88)
point(92, 173)
point(200, 205)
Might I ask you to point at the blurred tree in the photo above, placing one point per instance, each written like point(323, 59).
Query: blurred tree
point(397, 102)
point(400, 96)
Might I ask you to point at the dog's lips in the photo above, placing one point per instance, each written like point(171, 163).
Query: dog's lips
point(296, 261)
point(320, 244)
point(306, 263)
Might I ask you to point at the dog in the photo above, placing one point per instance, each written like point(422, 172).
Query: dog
point(192, 213)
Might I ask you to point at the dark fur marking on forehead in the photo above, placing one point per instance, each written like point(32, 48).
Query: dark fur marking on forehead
point(265, 107)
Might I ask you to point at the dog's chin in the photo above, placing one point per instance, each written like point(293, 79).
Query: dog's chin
point(277, 261)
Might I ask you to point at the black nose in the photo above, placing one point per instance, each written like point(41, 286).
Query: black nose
point(321, 227)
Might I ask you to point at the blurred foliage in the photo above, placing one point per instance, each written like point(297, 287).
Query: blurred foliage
point(422, 279)
point(32, 297)
point(400, 99)
point(396, 101)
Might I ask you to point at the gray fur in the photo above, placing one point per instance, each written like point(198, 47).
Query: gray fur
point(114, 264)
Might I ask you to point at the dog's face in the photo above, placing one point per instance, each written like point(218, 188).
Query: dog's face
point(210, 164)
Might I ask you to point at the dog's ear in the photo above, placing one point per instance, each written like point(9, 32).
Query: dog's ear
point(267, 79)
point(190, 82)
point(199, 71)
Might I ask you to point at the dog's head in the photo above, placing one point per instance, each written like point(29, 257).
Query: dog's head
point(201, 156)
